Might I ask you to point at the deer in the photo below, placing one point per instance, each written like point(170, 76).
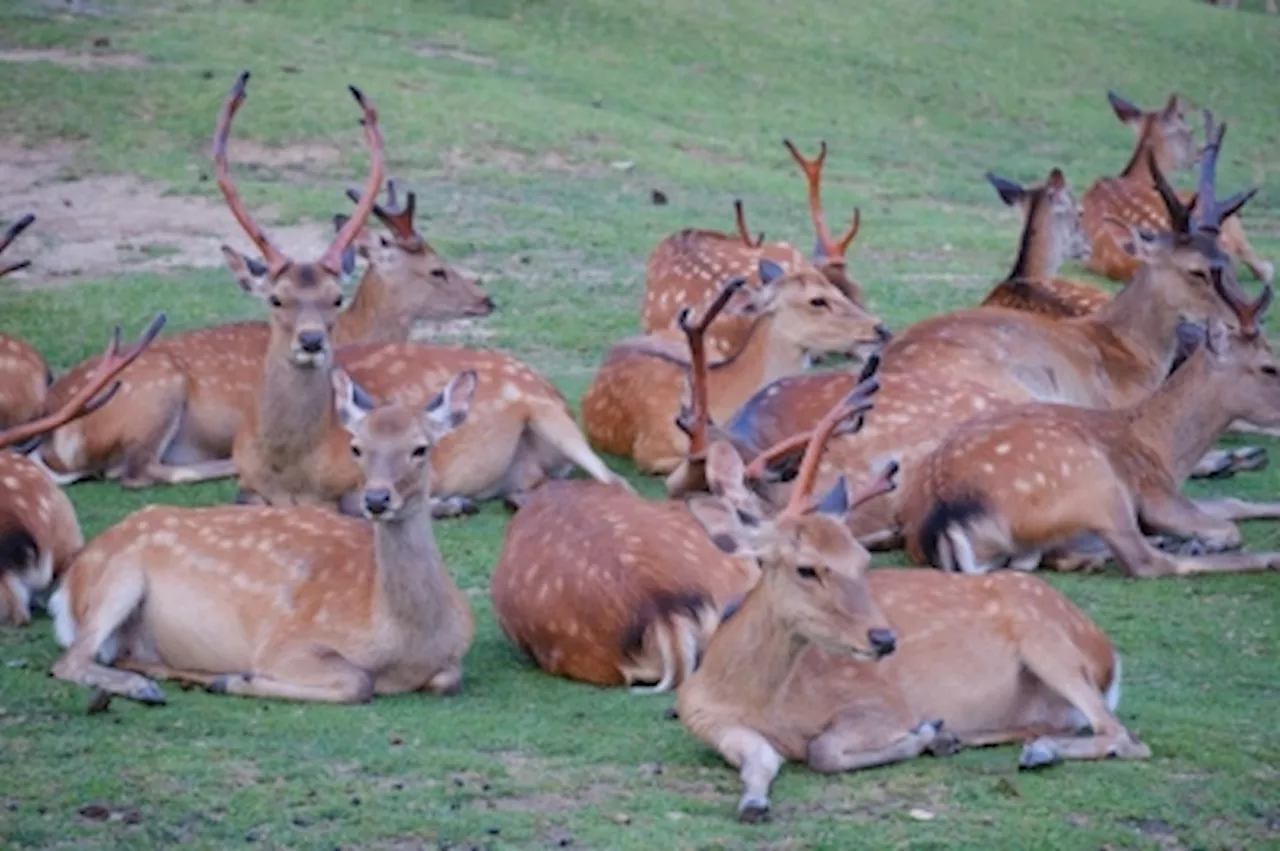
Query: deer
point(291, 449)
point(1163, 136)
point(843, 668)
point(1003, 489)
point(687, 267)
point(24, 376)
point(288, 603)
point(176, 419)
point(39, 530)
point(631, 405)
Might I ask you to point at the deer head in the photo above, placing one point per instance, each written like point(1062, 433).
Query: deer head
point(1164, 132)
point(303, 298)
point(1242, 360)
point(1048, 208)
point(9, 236)
point(828, 252)
point(809, 314)
point(813, 571)
point(422, 279)
point(392, 444)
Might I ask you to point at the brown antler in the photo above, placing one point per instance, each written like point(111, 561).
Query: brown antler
point(854, 406)
point(396, 219)
point(743, 233)
point(1211, 213)
point(695, 419)
point(832, 250)
point(92, 396)
point(276, 260)
point(332, 259)
point(1249, 313)
point(9, 236)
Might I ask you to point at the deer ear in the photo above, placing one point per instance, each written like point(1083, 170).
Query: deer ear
point(1010, 192)
point(835, 501)
point(721, 522)
point(1216, 338)
point(1124, 110)
point(769, 271)
point(449, 409)
point(350, 401)
point(250, 274)
point(1057, 180)
point(1172, 107)
point(726, 474)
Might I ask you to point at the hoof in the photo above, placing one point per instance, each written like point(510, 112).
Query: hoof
point(929, 729)
point(1249, 459)
point(945, 744)
point(753, 810)
point(148, 694)
point(1039, 754)
point(222, 684)
point(99, 701)
point(453, 506)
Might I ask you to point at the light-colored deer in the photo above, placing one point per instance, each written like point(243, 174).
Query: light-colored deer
point(24, 376)
point(1163, 137)
point(39, 531)
point(843, 668)
point(631, 405)
point(180, 406)
point(1004, 489)
point(688, 267)
point(292, 603)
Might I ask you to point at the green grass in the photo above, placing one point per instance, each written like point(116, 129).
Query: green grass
point(917, 100)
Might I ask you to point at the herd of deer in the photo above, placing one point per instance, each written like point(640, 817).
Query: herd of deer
point(1053, 424)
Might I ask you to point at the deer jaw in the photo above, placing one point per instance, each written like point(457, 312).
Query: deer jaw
point(1164, 132)
point(418, 282)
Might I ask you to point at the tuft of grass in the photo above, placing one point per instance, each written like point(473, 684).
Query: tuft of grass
point(508, 117)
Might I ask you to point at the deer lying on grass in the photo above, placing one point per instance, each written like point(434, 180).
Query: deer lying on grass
point(39, 531)
point(845, 668)
point(631, 405)
point(291, 448)
point(686, 268)
point(177, 415)
point(24, 377)
point(1163, 137)
point(1007, 487)
point(291, 603)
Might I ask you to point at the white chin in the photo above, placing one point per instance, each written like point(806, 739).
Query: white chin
point(309, 360)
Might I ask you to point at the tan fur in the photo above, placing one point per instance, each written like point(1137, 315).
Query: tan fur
point(24, 381)
point(30, 502)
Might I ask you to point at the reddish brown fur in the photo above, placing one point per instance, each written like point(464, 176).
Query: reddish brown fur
point(24, 381)
point(32, 507)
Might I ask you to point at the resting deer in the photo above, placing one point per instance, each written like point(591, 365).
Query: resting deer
point(686, 268)
point(631, 405)
point(24, 377)
point(1005, 488)
point(291, 448)
point(291, 603)
point(39, 531)
point(1163, 137)
point(176, 418)
point(844, 668)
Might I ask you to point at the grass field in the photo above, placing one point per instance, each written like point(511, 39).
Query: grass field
point(534, 133)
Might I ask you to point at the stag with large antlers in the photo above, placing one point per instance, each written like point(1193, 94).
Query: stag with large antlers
point(1163, 137)
point(290, 603)
point(39, 532)
point(843, 668)
point(631, 407)
point(1004, 489)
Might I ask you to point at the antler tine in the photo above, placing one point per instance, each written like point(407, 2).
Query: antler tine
point(845, 241)
point(332, 259)
point(884, 482)
point(743, 233)
point(1179, 215)
point(1206, 192)
point(14, 229)
point(1248, 313)
point(276, 260)
point(813, 174)
point(391, 193)
point(92, 396)
point(856, 404)
point(696, 421)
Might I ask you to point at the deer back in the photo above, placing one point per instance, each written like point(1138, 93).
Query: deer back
point(24, 380)
point(1057, 297)
point(39, 531)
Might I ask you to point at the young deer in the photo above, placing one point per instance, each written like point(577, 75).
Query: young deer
point(686, 268)
point(177, 415)
point(633, 400)
point(1163, 137)
point(845, 668)
point(24, 376)
point(39, 531)
point(1006, 488)
point(290, 603)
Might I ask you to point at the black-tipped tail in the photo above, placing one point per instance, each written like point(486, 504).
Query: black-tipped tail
point(942, 516)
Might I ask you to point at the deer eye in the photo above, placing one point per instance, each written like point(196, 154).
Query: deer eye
point(355, 450)
point(1200, 275)
point(1270, 370)
point(275, 301)
point(819, 302)
point(419, 451)
point(807, 572)
point(337, 302)
point(439, 273)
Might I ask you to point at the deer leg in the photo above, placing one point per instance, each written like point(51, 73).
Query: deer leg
point(1223, 463)
point(164, 672)
point(553, 425)
point(758, 763)
point(1138, 558)
point(1174, 514)
point(1239, 509)
point(443, 507)
point(854, 742)
point(302, 675)
point(199, 471)
point(106, 616)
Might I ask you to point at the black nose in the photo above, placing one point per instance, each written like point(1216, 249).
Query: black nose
point(311, 341)
point(883, 332)
point(377, 500)
point(883, 641)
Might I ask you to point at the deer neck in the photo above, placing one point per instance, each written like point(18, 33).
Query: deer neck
point(413, 585)
point(763, 357)
point(1145, 323)
point(372, 316)
point(1137, 169)
point(1182, 419)
point(1037, 254)
point(751, 656)
point(295, 408)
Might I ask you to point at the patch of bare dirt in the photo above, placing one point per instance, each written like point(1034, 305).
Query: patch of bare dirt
point(107, 224)
point(93, 61)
